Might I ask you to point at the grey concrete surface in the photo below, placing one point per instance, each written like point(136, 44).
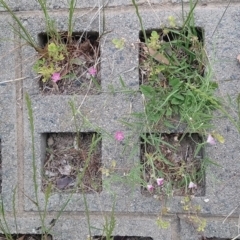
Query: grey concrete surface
point(135, 214)
point(8, 119)
point(221, 228)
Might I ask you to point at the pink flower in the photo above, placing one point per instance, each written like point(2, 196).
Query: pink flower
point(56, 77)
point(192, 185)
point(150, 187)
point(119, 136)
point(211, 140)
point(160, 181)
point(92, 71)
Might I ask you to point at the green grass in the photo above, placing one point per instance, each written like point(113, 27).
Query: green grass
point(178, 96)
point(174, 81)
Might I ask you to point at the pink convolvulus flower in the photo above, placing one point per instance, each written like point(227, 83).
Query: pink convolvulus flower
point(211, 140)
point(119, 136)
point(160, 181)
point(92, 71)
point(192, 185)
point(56, 77)
point(150, 187)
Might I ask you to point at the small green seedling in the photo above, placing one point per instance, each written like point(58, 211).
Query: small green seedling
point(51, 61)
point(118, 43)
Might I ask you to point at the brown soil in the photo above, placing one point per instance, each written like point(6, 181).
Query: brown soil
point(214, 238)
point(82, 53)
point(145, 65)
point(69, 164)
point(26, 237)
point(123, 238)
point(172, 163)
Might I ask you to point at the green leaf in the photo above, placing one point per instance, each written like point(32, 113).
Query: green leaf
point(155, 35)
point(77, 61)
point(213, 85)
point(69, 76)
point(199, 148)
point(169, 112)
point(179, 96)
point(148, 91)
point(155, 117)
point(169, 125)
point(122, 82)
point(174, 82)
point(175, 101)
point(118, 43)
point(52, 48)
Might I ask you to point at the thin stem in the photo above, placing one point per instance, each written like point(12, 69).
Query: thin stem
point(140, 20)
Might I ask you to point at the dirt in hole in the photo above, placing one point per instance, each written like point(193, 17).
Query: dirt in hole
point(26, 237)
point(71, 163)
point(123, 238)
point(173, 159)
point(82, 53)
point(169, 45)
point(215, 238)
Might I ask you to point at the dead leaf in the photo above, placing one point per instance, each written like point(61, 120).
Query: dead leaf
point(156, 55)
point(66, 170)
point(21, 238)
point(78, 61)
point(50, 141)
point(165, 210)
point(76, 143)
point(63, 182)
point(85, 46)
point(238, 57)
point(114, 163)
point(50, 174)
point(55, 86)
point(219, 137)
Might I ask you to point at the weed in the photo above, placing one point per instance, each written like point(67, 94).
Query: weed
point(179, 101)
point(171, 162)
point(178, 96)
point(198, 222)
point(162, 223)
point(172, 65)
point(64, 56)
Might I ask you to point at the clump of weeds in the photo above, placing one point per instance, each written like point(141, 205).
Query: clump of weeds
point(67, 62)
point(174, 82)
point(179, 100)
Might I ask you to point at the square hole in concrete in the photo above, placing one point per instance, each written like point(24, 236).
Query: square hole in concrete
point(71, 162)
point(123, 238)
point(81, 53)
point(25, 237)
point(174, 159)
point(168, 41)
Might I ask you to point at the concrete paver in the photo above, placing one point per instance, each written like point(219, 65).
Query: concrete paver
point(135, 213)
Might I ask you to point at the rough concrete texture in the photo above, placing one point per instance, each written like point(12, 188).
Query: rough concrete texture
point(8, 119)
point(221, 228)
point(135, 214)
point(11, 3)
point(25, 5)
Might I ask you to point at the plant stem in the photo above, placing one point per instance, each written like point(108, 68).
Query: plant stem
point(140, 20)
